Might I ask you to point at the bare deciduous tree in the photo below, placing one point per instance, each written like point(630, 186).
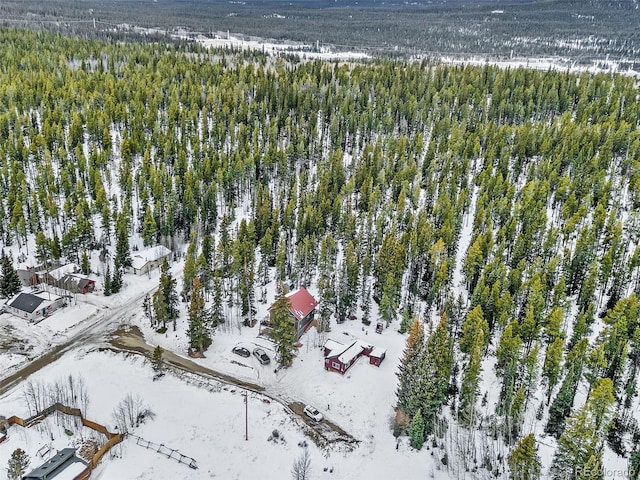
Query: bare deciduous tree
point(302, 466)
point(131, 412)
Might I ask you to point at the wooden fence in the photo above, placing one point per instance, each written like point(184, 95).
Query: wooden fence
point(112, 438)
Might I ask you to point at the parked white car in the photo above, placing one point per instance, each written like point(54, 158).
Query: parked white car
point(311, 412)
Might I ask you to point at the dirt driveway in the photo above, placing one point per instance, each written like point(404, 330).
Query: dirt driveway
point(324, 433)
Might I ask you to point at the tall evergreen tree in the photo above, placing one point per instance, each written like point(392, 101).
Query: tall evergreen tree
point(189, 271)
point(562, 404)
point(524, 461)
point(199, 336)
point(116, 280)
point(551, 367)
point(433, 375)
point(10, 283)
point(149, 227)
point(580, 445)
point(470, 380)
point(157, 361)
point(107, 281)
point(408, 366)
point(283, 329)
point(416, 431)
point(217, 307)
point(123, 254)
point(160, 309)
point(85, 267)
point(169, 293)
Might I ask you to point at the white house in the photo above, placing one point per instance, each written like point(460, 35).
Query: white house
point(34, 306)
point(146, 260)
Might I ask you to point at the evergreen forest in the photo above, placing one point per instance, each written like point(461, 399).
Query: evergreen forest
point(489, 214)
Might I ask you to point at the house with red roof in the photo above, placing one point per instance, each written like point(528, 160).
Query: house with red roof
point(302, 309)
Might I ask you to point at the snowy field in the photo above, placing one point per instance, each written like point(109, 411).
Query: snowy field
point(208, 423)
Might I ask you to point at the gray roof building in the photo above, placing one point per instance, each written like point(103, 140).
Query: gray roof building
point(26, 302)
point(55, 465)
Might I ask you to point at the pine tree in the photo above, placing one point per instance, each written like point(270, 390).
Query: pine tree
point(160, 309)
point(576, 446)
point(116, 280)
point(157, 361)
point(43, 249)
point(470, 379)
point(189, 271)
point(473, 324)
point(217, 307)
point(408, 365)
point(85, 267)
point(149, 227)
point(524, 461)
point(123, 255)
point(416, 431)
point(10, 283)
point(562, 404)
point(433, 375)
point(283, 329)
point(107, 281)
point(169, 293)
point(551, 367)
point(18, 464)
point(199, 337)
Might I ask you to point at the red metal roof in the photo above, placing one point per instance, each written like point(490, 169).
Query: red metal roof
point(302, 303)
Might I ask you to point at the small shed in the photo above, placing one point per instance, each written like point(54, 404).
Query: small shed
point(376, 356)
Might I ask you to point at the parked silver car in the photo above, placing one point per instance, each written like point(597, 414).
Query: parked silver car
point(261, 356)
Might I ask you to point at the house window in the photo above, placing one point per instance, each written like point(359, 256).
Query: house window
point(335, 365)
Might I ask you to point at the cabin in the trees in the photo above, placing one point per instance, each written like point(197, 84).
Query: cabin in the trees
point(56, 276)
point(34, 306)
point(78, 283)
point(146, 260)
point(68, 278)
point(339, 357)
point(28, 276)
point(302, 309)
point(64, 464)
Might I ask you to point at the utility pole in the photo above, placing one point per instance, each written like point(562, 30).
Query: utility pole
point(246, 415)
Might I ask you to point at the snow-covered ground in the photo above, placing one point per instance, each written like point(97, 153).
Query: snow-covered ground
point(208, 423)
point(558, 64)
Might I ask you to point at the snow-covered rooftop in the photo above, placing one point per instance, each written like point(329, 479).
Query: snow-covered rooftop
point(60, 272)
point(72, 471)
point(302, 303)
point(333, 346)
point(143, 257)
point(377, 352)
